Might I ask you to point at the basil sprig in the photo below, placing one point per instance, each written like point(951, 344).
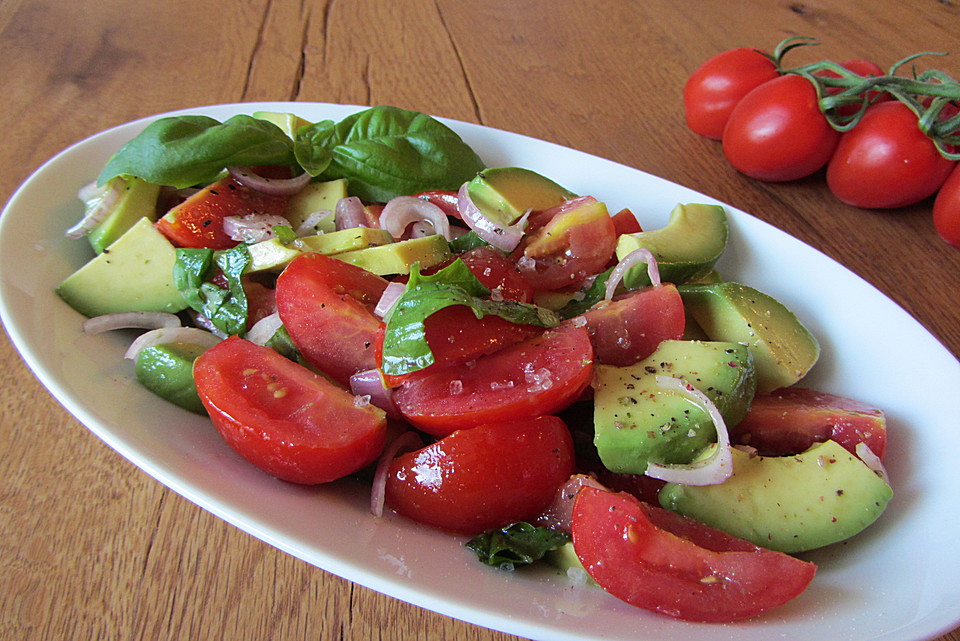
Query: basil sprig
point(405, 347)
point(382, 151)
point(516, 545)
point(192, 274)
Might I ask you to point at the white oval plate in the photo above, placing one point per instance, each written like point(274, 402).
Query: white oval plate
point(896, 582)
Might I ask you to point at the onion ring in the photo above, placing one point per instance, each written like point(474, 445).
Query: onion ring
point(503, 238)
point(130, 320)
point(402, 211)
point(406, 442)
point(350, 213)
point(167, 335)
point(264, 329)
point(99, 202)
point(271, 186)
point(638, 256)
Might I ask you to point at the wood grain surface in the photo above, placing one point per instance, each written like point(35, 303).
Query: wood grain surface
point(91, 548)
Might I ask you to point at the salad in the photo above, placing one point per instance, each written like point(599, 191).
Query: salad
point(503, 358)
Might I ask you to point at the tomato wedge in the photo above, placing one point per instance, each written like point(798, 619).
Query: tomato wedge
point(327, 308)
point(663, 562)
point(198, 221)
point(538, 376)
point(283, 418)
point(485, 477)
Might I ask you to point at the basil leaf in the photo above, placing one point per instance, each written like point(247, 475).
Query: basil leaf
point(591, 296)
point(386, 151)
point(516, 545)
point(466, 242)
point(405, 347)
point(309, 147)
point(225, 308)
point(182, 151)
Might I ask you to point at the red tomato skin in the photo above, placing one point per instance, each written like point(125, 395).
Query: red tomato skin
point(498, 274)
point(198, 221)
point(886, 162)
point(446, 200)
point(625, 222)
point(790, 420)
point(538, 376)
point(946, 209)
point(327, 305)
point(715, 87)
point(777, 132)
point(631, 327)
point(486, 477)
point(283, 418)
point(662, 562)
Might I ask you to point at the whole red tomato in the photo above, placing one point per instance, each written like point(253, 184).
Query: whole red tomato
point(778, 133)
point(886, 161)
point(716, 86)
point(946, 209)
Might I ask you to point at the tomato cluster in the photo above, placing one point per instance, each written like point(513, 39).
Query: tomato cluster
point(885, 141)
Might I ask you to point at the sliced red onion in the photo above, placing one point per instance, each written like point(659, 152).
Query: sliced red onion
point(252, 228)
point(247, 177)
point(406, 442)
point(714, 469)
point(503, 238)
point(98, 203)
point(264, 329)
point(309, 225)
point(402, 211)
point(130, 320)
point(391, 293)
point(638, 256)
point(369, 384)
point(168, 335)
point(559, 514)
point(351, 213)
point(871, 460)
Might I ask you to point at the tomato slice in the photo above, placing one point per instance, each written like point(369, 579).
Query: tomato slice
point(485, 477)
point(631, 327)
point(538, 376)
point(283, 418)
point(662, 562)
point(498, 274)
point(790, 420)
point(198, 221)
point(327, 306)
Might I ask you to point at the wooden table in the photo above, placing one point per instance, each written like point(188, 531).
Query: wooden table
point(92, 548)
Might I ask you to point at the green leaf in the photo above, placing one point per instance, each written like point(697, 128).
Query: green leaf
point(405, 347)
point(182, 151)
point(516, 545)
point(592, 295)
point(387, 151)
point(225, 308)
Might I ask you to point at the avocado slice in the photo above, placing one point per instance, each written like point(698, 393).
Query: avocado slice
point(784, 349)
point(135, 273)
point(396, 258)
point(167, 371)
point(686, 248)
point(138, 199)
point(316, 196)
point(504, 194)
point(788, 503)
point(636, 421)
point(287, 121)
point(274, 255)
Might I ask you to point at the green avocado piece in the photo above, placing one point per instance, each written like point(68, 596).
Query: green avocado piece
point(396, 258)
point(274, 255)
point(167, 371)
point(138, 199)
point(565, 558)
point(788, 503)
point(784, 349)
point(135, 273)
point(504, 194)
point(287, 121)
point(316, 196)
point(636, 421)
point(686, 248)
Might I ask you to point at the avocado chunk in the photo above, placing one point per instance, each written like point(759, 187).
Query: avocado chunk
point(788, 503)
point(316, 196)
point(287, 121)
point(784, 349)
point(504, 194)
point(636, 421)
point(686, 248)
point(565, 559)
point(396, 258)
point(137, 199)
point(274, 255)
point(135, 273)
point(167, 371)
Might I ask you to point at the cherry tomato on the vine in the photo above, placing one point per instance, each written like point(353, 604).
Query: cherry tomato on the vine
point(886, 161)
point(865, 68)
point(778, 133)
point(716, 86)
point(946, 209)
